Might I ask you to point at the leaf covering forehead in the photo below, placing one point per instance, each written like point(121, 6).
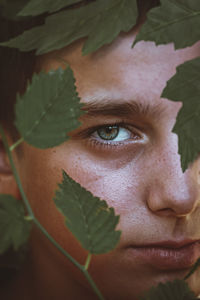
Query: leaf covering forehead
point(100, 21)
point(36, 7)
point(176, 21)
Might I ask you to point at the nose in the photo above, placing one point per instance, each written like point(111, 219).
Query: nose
point(170, 191)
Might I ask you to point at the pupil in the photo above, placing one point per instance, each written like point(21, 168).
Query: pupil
point(108, 132)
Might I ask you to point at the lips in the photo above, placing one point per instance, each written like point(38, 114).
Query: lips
point(170, 244)
point(166, 255)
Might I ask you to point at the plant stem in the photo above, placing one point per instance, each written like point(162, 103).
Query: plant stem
point(193, 269)
point(87, 263)
point(28, 207)
point(87, 275)
point(32, 217)
point(16, 144)
point(28, 218)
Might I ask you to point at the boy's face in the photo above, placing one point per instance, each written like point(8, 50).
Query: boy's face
point(133, 165)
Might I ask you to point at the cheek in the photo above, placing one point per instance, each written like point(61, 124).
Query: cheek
point(119, 182)
point(116, 180)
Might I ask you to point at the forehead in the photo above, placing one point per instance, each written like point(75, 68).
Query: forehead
point(119, 72)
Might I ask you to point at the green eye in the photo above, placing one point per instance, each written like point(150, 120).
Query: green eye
point(108, 132)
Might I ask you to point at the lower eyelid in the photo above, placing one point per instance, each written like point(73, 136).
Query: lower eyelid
point(118, 146)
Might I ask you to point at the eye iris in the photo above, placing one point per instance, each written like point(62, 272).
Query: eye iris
point(108, 132)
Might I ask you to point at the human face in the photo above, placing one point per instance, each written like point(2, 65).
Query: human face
point(138, 173)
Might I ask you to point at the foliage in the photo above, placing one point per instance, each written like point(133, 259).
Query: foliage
point(37, 7)
point(176, 290)
point(10, 8)
point(90, 219)
point(89, 21)
point(14, 229)
point(184, 86)
point(176, 21)
point(49, 109)
point(44, 123)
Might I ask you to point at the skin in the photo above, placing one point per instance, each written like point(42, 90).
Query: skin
point(141, 178)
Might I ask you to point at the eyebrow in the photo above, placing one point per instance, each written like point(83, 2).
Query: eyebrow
point(109, 107)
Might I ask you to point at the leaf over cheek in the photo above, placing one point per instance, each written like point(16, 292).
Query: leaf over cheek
point(14, 229)
point(90, 219)
point(49, 109)
point(185, 87)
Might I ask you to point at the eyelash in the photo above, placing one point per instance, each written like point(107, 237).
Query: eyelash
point(109, 144)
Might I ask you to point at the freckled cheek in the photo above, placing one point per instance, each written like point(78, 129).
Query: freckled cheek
point(118, 185)
point(114, 179)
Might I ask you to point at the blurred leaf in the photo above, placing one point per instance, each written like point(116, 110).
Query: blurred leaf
point(176, 21)
point(175, 290)
point(10, 8)
point(14, 229)
point(37, 7)
point(49, 109)
point(90, 219)
point(101, 21)
point(185, 87)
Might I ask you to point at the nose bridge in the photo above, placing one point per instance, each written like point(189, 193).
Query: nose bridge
point(171, 190)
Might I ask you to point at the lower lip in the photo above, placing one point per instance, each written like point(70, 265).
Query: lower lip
point(167, 258)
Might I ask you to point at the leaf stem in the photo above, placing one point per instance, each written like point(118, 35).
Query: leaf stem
point(193, 269)
point(32, 217)
point(28, 218)
point(88, 260)
point(93, 285)
point(16, 144)
point(8, 151)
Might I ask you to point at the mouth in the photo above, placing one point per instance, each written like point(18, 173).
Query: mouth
point(167, 255)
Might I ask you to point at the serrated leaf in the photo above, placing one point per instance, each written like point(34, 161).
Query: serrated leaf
point(14, 229)
point(90, 219)
point(101, 21)
point(49, 109)
point(175, 290)
point(37, 7)
point(176, 21)
point(185, 87)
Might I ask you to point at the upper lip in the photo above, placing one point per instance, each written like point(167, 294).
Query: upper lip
point(169, 244)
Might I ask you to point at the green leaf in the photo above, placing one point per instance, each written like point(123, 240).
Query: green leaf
point(49, 109)
point(175, 290)
point(176, 21)
point(101, 21)
point(37, 7)
point(14, 229)
point(90, 219)
point(10, 8)
point(185, 87)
